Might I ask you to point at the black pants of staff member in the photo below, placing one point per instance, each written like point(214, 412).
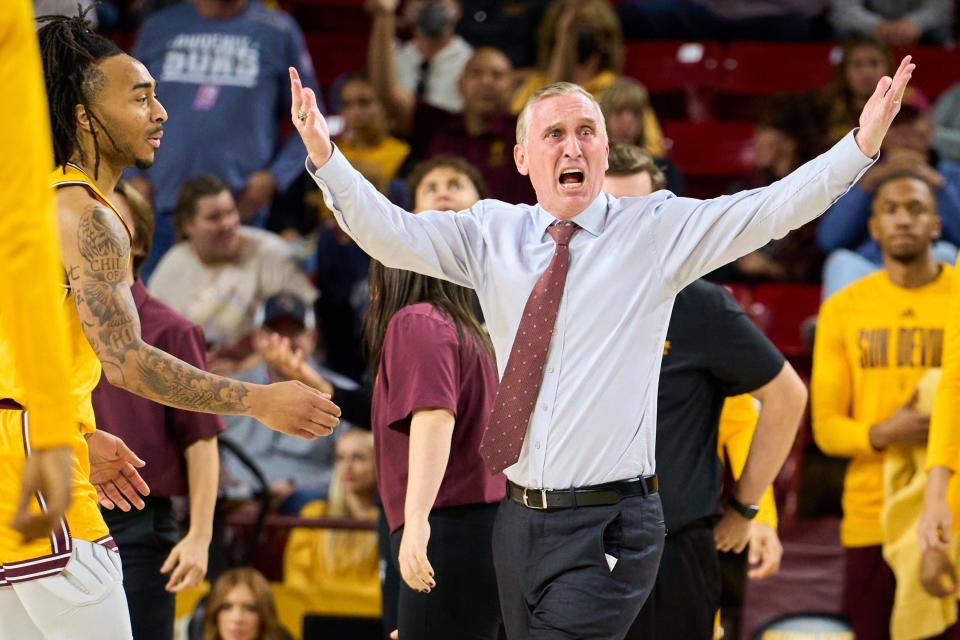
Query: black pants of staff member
point(464, 604)
point(686, 595)
point(389, 576)
point(145, 539)
point(553, 567)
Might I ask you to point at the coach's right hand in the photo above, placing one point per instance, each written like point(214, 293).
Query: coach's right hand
point(295, 409)
point(312, 127)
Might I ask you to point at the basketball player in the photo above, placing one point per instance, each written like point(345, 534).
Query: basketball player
point(106, 118)
point(40, 440)
point(32, 323)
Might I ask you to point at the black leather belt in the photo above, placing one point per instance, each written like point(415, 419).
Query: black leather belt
point(592, 496)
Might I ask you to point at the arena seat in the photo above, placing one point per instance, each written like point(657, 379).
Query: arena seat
point(710, 148)
point(752, 71)
point(762, 69)
point(938, 68)
point(677, 74)
point(741, 292)
point(335, 54)
point(330, 16)
point(781, 309)
point(671, 65)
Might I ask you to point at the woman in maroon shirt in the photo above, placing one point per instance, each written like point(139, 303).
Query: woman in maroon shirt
point(433, 391)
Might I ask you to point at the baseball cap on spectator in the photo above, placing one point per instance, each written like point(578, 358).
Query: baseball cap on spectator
point(285, 306)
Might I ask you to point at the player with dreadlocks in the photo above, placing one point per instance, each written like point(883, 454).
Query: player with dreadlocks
point(105, 117)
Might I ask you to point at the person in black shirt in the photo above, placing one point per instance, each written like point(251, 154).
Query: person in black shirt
point(712, 351)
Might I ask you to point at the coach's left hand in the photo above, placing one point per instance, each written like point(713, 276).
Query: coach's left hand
point(882, 107)
point(732, 533)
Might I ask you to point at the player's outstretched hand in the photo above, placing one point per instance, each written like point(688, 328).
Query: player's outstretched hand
point(308, 120)
point(113, 471)
point(49, 471)
point(295, 409)
point(882, 107)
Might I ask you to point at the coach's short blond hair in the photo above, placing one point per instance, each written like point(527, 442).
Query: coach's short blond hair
point(552, 91)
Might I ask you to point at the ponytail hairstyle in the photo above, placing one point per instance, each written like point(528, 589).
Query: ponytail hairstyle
point(70, 51)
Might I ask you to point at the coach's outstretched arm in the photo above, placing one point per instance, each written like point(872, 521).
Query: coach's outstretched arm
point(96, 250)
point(433, 243)
point(694, 237)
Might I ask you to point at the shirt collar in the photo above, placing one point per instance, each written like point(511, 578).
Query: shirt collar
point(590, 219)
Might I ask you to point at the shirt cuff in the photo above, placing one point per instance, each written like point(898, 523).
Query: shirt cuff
point(848, 160)
point(335, 173)
point(941, 459)
point(335, 176)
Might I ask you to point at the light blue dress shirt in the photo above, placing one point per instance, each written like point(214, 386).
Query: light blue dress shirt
point(596, 415)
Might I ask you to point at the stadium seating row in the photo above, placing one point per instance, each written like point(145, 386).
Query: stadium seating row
point(337, 35)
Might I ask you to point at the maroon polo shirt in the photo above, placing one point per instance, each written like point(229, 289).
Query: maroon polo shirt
point(424, 366)
point(436, 131)
point(157, 433)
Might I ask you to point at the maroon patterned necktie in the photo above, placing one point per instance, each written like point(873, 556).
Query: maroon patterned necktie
point(518, 390)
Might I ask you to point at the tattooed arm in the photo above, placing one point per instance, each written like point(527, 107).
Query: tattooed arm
point(95, 251)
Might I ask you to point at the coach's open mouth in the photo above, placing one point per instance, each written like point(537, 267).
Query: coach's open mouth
point(571, 179)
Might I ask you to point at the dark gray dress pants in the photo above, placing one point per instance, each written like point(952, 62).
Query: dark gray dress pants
point(554, 567)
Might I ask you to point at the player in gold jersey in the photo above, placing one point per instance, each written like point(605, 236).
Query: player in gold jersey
point(40, 440)
point(876, 339)
point(32, 322)
point(938, 525)
point(105, 118)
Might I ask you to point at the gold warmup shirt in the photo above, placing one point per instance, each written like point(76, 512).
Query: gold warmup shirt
point(874, 342)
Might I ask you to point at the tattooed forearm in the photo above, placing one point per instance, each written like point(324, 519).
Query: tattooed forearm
point(178, 384)
point(111, 323)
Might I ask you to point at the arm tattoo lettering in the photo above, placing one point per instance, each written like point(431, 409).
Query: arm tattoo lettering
point(106, 250)
point(102, 246)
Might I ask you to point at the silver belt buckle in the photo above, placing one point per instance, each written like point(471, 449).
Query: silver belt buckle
point(543, 498)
